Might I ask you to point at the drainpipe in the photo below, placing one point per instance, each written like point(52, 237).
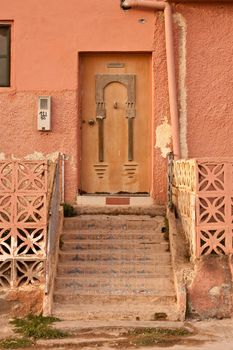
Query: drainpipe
point(166, 7)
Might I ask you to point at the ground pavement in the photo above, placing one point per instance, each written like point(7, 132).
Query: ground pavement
point(89, 335)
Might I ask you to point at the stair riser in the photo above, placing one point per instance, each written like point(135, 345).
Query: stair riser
point(156, 248)
point(113, 316)
point(117, 258)
point(120, 292)
point(112, 301)
point(114, 270)
point(153, 211)
point(113, 237)
point(111, 224)
point(115, 286)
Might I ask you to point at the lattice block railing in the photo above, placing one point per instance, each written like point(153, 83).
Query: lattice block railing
point(23, 222)
point(25, 176)
point(17, 273)
point(184, 186)
point(204, 198)
point(185, 174)
point(214, 222)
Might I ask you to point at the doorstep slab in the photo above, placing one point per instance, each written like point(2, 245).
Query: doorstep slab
point(114, 200)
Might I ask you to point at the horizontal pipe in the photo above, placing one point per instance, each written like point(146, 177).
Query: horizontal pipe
point(157, 5)
point(137, 2)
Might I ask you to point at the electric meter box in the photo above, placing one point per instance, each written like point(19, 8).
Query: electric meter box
point(44, 113)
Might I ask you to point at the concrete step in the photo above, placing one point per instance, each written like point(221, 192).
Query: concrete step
point(116, 290)
point(114, 267)
point(119, 222)
point(114, 274)
point(111, 235)
point(151, 210)
point(137, 310)
point(150, 247)
point(101, 300)
point(119, 286)
point(103, 256)
point(89, 268)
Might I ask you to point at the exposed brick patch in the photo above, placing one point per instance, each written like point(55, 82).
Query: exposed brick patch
point(210, 293)
point(118, 200)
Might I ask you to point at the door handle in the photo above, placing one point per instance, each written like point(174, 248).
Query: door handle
point(91, 122)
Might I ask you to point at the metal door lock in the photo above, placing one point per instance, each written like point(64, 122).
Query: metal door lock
point(91, 122)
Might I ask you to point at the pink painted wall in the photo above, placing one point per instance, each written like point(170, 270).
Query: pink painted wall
point(46, 40)
point(49, 35)
point(209, 79)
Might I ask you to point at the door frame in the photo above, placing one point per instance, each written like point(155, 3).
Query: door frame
point(80, 195)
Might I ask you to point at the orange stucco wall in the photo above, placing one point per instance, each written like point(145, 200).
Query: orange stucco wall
point(209, 78)
point(47, 38)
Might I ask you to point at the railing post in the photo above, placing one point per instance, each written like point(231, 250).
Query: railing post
point(53, 225)
point(62, 178)
point(170, 160)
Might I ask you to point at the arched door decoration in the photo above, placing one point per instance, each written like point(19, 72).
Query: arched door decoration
point(102, 80)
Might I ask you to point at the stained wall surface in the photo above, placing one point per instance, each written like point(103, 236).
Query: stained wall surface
point(47, 39)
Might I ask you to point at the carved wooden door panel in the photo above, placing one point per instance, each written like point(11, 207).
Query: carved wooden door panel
point(116, 123)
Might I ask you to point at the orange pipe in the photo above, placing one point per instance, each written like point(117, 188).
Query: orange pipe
point(172, 86)
point(162, 5)
point(158, 5)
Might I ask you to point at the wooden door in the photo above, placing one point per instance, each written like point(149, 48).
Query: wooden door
point(116, 123)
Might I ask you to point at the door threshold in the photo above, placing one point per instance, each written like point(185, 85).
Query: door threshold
point(111, 200)
point(120, 194)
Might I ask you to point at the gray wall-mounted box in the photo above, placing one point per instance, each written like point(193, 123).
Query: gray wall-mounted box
point(44, 113)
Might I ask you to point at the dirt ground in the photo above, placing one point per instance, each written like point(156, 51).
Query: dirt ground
point(204, 335)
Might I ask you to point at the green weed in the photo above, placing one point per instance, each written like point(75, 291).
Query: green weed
point(150, 336)
point(38, 327)
point(69, 210)
point(15, 343)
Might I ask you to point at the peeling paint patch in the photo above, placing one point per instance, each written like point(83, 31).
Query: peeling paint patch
point(215, 291)
point(40, 156)
point(14, 158)
point(2, 156)
point(37, 156)
point(163, 137)
point(182, 91)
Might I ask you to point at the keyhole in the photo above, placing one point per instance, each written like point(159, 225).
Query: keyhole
point(115, 105)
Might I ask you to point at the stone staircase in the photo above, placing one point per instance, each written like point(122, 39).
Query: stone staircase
point(114, 267)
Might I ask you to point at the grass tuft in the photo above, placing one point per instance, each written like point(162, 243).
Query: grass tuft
point(38, 327)
point(151, 336)
point(15, 343)
point(69, 210)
